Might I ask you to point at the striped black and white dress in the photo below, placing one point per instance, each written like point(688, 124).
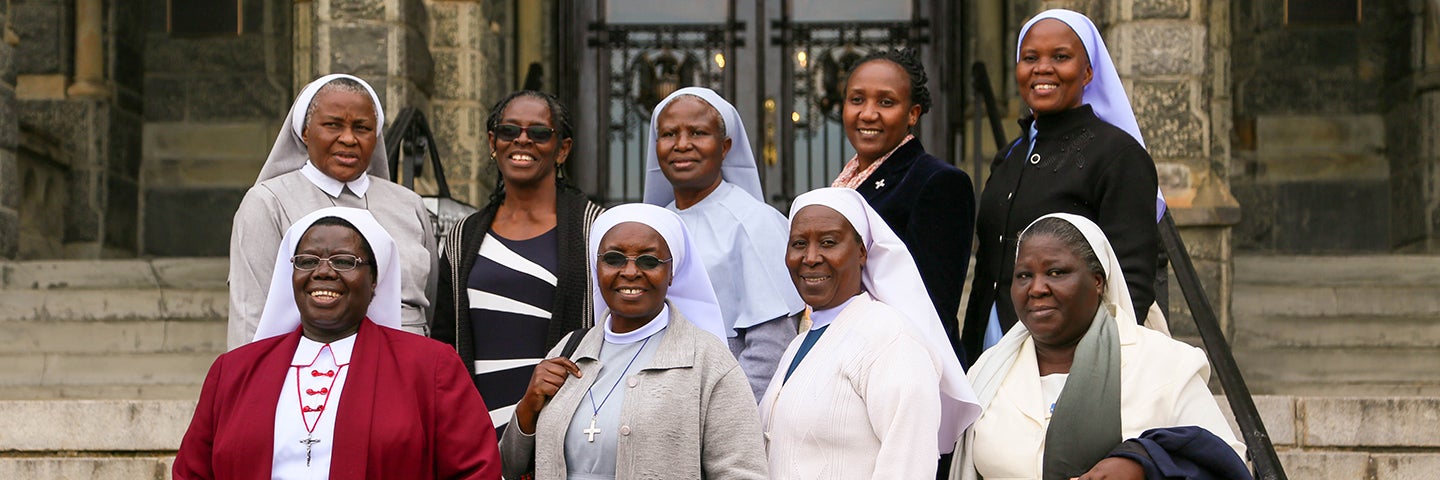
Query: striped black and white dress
point(511, 290)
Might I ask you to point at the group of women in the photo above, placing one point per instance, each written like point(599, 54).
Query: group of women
point(703, 334)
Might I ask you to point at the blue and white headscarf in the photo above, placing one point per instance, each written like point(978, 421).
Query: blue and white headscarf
point(1105, 94)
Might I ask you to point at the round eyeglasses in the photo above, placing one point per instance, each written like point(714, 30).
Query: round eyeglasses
point(339, 263)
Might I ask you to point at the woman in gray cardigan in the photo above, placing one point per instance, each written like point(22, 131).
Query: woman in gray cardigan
point(654, 392)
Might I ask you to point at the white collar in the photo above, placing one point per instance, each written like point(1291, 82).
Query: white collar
point(823, 318)
point(330, 185)
point(309, 350)
point(655, 325)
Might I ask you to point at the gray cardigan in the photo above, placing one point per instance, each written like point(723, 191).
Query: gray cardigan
point(690, 416)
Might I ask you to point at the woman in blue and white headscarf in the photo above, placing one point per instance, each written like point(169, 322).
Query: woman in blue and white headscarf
point(1081, 153)
point(699, 165)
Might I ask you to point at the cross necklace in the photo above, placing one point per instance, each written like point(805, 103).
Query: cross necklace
point(309, 441)
point(595, 409)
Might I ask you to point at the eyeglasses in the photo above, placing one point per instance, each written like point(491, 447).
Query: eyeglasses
point(537, 133)
point(339, 263)
point(644, 262)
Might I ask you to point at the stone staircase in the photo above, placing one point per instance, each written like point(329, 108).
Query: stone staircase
point(1343, 354)
point(1356, 325)
point(103, 363)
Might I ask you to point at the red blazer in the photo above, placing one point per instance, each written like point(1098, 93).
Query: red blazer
point(430, 422)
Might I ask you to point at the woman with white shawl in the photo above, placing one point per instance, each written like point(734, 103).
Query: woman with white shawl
point(699, 165)
point(330, 152)
point(873, 389)
point(1065, 388)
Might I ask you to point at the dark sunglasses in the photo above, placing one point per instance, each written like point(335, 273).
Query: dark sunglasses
point(644, 262)
point(339, 263)
point(537, 133)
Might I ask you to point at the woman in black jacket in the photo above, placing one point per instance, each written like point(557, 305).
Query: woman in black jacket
point(513, 276)
point(1081, 153)
point(929, 203)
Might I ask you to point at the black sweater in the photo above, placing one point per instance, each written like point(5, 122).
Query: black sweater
point(1080, 165)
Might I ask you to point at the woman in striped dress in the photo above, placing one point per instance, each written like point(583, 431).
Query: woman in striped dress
point(513, 275)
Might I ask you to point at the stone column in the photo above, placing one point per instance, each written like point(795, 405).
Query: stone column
point(9, 164)
point(473, 68)
point(89, 50)
point(381, 41)
point(1429, 93)
point(1421, 120)
point(1173, 56)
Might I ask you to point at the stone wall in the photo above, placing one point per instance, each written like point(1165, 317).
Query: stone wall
point(1311, 151)
point(471, 44)
point(1412, 102)
point(381, 41)
point(10, 180)
point(79, 137)
point(213, 105)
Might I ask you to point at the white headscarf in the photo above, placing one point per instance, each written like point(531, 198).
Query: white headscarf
point(738, 167)
point(289, 153)
point(281, 315)
point(890, 275)
point(990, 371)
point(690, 289)
point(1105, 94)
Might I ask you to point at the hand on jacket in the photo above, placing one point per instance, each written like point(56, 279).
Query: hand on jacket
point(1114, 468)
point(549, 376)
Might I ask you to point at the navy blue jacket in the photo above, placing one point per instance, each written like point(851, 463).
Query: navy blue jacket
point(1190, 452)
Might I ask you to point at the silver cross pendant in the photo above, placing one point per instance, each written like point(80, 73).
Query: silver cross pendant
point(309, 441)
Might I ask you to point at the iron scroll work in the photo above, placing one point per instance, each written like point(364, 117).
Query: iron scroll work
point(817, 58)
point(641, 65)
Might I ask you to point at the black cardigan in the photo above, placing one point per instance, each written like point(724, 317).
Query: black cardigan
point(572, 308)
point(930, 204)
point(1086, 167)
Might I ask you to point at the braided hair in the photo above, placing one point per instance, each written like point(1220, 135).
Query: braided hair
point(909, 60)
point(559, 117)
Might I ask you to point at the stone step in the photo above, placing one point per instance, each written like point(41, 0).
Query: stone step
point(1278, 331)
point(1367, 370)
point(141, 467)
point(1341, 438)
point(112, 304)
point(93, 425)
point(169, 335)
point(1398, 270)
point(1335, 301)
point(55, 369)
point(177, 391)
point(177, 273)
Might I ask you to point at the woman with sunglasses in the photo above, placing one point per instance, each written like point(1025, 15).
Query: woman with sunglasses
point(653, 391)
point(513, 276)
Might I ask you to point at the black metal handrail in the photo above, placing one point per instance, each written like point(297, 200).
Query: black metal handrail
point(1252, 427)
point(410, 134)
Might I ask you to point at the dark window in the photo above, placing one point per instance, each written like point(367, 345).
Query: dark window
point(1322, 12)
point(205, 17)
